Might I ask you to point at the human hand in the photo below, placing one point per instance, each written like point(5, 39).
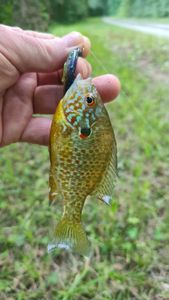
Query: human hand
point(31, 65)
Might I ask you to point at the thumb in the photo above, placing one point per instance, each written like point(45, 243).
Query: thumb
point(32, 54)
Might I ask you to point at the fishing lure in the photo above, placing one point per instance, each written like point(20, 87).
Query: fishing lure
point(83, 158)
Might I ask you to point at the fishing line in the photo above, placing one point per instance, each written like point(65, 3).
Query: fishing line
point(98, 61)
point(122, 90)
point(123, 93)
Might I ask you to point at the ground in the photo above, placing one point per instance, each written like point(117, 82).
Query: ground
point(157, 28)
point(129, 239)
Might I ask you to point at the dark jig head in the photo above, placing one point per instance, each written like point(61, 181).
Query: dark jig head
point(70, 68)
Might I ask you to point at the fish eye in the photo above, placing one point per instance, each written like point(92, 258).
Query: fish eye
point(90, 100)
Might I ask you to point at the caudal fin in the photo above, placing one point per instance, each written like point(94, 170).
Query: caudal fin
point(71, 236)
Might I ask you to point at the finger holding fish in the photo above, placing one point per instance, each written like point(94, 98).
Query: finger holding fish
point(47, 97)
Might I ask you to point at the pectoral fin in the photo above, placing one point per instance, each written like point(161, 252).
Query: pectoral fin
point(104, 190)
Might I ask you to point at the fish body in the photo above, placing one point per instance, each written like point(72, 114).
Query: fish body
point(83, 160)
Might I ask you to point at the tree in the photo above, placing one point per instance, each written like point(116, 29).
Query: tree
point(113, 6)
point(31, 14)
point(98, 7)
point(6, 12)
point(125, 8)
point(68, 11)
point(144, 8)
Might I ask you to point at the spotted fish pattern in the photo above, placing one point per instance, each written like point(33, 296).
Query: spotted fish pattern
point(83, 160)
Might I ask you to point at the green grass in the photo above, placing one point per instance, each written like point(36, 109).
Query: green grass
point(130, 240)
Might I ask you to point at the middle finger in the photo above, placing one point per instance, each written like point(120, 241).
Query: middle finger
point(83, 67)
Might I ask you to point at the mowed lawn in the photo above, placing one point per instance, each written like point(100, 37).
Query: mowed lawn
point(130, 239)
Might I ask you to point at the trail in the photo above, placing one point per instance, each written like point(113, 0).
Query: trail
point(160, 30)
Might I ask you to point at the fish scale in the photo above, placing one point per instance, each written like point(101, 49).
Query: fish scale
point(82, 153)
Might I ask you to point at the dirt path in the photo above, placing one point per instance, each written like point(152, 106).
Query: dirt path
point(160, 30)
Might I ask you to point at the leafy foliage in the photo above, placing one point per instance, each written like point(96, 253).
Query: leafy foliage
point(28, 14)
point(37, 15)
point(98, 7)
point(125, 7)
point(31, 14)
point(6, 12)
point(113, 6)
point(68, 11)
point(143, 8)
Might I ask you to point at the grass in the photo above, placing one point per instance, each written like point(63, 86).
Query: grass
point(130, 240)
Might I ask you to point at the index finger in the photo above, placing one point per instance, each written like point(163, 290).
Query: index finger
point(30, 54)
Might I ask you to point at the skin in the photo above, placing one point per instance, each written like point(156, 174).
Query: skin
point(31, 66)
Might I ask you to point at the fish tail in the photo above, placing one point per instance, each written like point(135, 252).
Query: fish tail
point(71, 236)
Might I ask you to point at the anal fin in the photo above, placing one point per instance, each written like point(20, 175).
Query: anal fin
point(53, 189)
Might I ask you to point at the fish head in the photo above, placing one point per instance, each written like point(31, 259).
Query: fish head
point(82, 104)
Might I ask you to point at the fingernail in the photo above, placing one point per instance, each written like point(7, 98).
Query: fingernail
point(73, 39)
point(86, 46)
point(88, 70)
point(87, 42)
point(84, 68)
point(84, 71)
